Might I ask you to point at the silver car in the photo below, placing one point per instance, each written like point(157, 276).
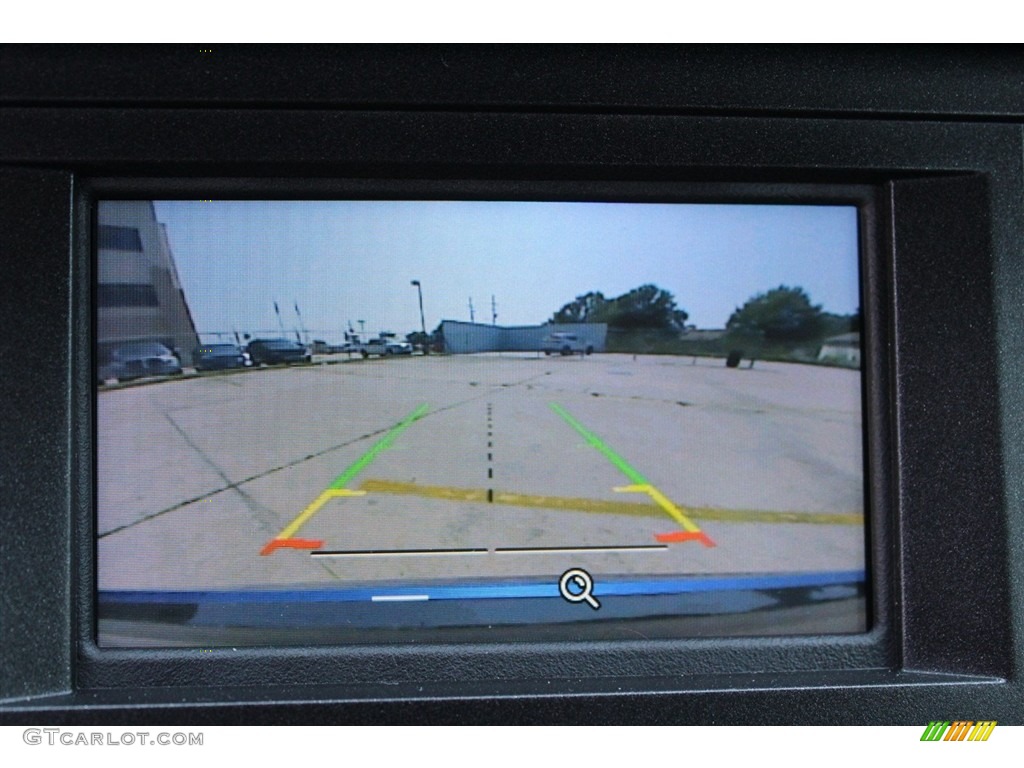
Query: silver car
point(135, 360)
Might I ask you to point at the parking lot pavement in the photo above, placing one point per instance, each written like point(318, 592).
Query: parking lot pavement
point(481, 466)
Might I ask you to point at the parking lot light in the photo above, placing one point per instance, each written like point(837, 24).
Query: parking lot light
point(423, 322)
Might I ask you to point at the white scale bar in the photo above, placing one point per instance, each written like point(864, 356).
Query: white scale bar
point(581, 550)
point(410, 553)
point(499, 551)
point(397, 598)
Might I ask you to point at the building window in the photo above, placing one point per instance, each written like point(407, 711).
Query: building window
point(127, 295)
point(119, 238)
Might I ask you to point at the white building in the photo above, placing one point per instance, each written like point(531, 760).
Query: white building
point(465, 338)
point(843, 349)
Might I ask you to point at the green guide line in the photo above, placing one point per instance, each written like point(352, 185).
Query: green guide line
point(597, 443)
point(361, 463)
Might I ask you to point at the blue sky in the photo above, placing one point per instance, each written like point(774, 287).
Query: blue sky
point(351, 261)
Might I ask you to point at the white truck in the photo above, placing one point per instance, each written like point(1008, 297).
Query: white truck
point(384, 347)
point(565, 344)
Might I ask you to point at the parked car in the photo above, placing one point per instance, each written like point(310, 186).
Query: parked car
point(564, 344)
point(216, 357)
point(374, 347)
point(385, 346)
point(274, 351)
point(399, 347)
point(135, 360)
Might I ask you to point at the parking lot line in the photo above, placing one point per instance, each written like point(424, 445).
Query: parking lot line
point(452, 493)
point(602, 506)
point(640, 483)
point(337, 490)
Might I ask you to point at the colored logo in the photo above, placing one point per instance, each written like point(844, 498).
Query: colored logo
point(959, 730)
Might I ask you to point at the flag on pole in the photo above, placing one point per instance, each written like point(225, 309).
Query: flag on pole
point(280, 322)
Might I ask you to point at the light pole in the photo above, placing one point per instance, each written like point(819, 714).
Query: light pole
point(423, 323)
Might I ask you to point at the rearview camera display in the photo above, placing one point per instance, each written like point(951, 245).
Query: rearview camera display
point(333, 422)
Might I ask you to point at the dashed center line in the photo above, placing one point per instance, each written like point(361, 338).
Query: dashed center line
point(490, 452)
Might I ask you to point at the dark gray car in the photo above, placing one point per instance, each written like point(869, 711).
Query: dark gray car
point(273, 351)
point(217, 357)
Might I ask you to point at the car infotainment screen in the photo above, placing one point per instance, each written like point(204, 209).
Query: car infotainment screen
point(362, 421)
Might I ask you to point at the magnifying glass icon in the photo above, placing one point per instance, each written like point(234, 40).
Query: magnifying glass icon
point(576, 586)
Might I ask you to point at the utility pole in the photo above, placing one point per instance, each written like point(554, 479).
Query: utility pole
point(494, 311)
point(472, 317)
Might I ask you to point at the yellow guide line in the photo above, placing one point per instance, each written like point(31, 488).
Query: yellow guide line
point(640, 483)
point(311, 510)
point(662, 501)
point(601, 506)
point(336, 488)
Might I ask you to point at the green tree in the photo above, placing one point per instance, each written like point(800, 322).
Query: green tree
point(834, 325)
point(647, 306)
point(782, 315)
point(418, 339)
point(587, 308)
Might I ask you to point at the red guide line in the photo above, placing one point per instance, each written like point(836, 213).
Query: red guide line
point(274, 544)
point(677, 536)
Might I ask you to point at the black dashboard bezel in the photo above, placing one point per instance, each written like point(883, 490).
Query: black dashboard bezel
point(947, 178)
point(439, 648)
